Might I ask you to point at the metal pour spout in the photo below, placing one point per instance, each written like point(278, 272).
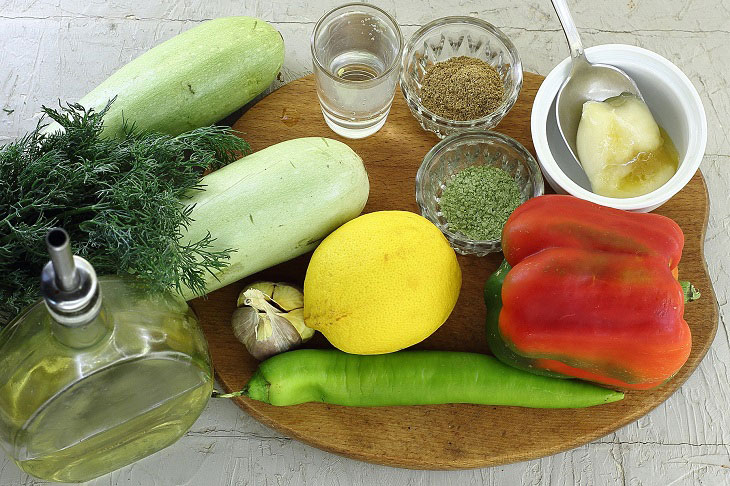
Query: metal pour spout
point(62, 259)
point(68, 283)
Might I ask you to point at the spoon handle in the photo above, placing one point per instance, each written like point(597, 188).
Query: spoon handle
point(571, 31)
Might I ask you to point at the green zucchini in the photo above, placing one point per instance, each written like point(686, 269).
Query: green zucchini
point(192, 80)
point(276, 204)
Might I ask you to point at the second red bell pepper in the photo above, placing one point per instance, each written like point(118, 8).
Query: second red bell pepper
point(593, 298)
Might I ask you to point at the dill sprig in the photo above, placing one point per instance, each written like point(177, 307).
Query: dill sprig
point(121, 200)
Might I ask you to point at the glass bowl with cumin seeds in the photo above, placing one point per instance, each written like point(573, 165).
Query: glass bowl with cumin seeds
point(460, 73)
point(470, 182)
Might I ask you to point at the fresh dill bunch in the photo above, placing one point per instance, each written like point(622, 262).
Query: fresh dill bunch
point(122, 201)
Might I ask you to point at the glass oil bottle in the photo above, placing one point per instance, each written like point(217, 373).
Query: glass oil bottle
point(98, 374)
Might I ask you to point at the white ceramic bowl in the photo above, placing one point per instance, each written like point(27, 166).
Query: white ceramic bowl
point(672, 99)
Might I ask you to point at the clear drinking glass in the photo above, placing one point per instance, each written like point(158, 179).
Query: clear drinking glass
point(356, 51)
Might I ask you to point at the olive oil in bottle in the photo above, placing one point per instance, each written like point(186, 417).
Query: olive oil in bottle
point(99, 374)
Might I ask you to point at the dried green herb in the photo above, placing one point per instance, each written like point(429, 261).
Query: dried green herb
point(122, 201)
point(478, 200)
point(462, 88)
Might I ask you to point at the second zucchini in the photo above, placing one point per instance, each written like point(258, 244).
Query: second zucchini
point(275, 204)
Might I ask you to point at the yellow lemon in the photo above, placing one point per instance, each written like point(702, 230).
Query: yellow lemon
point(381, 282)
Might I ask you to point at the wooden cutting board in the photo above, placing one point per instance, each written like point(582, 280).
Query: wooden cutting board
point(444, 436)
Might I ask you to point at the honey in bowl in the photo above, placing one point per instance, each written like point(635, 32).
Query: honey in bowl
point(622, 149)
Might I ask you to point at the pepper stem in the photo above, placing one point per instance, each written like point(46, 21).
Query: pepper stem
point(217, 394)
point(690, 291)
point(257, 388)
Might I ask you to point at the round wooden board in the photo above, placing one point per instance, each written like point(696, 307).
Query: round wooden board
point(446, 436)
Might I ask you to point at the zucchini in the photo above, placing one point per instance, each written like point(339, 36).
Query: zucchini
point(192, 80)
point(276, 204)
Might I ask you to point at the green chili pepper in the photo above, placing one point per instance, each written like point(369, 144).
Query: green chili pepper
point(411, 378)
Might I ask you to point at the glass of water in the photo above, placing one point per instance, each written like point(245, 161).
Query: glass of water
point(356, 51)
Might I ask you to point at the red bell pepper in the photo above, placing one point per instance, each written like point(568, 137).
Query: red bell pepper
point(590, 294)
point(566, 221)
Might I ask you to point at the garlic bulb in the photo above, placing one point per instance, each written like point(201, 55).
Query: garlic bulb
point(270, 319)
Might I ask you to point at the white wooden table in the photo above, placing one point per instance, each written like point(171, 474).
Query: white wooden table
point(51, 49)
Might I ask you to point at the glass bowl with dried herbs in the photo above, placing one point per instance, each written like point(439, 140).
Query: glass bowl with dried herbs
point(460, 73)
point(470, 182)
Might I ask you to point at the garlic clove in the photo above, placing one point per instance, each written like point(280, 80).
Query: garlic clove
point(287, 297)
point(245, 321)
point(263, 329)
point(296, 319)
point(266, 288)
point(264, 335)
point(270, 319)
point(256, 299)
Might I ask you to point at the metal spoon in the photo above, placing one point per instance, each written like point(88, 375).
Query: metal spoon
point(585, 82)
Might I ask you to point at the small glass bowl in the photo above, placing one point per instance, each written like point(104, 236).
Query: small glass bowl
point(467, 149)
point(450, 37)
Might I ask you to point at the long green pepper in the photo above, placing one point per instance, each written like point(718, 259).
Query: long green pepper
point(411, 378)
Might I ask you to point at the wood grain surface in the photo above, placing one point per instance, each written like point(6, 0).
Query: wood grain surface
point(445, 436)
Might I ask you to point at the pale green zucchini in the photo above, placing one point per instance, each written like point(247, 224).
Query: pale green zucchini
point(276, 204)
point(194, 79)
